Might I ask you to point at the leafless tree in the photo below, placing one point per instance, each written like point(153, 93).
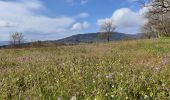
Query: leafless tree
point(158, 16)
point(16, 39)
point(148, 31)
point(107, 29)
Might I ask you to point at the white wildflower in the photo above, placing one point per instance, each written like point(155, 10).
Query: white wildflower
point(73, 98)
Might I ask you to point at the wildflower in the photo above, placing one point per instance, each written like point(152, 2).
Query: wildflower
point(94, 81)
point(99, 75)
point(17, 79)
point(163, 84)
point(151, 94)
point(165, 61)
point(157, 69)
point(27, 98)
point(59, 98)
point(110, 76)
point(112, 96)
point(148, 88)
point(146, 96)
point(73, 98)
point(45, 82)
point(97, 64)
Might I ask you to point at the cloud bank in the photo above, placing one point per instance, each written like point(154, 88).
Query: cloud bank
point(80, 26)
point(126, 20)
point(25, 16)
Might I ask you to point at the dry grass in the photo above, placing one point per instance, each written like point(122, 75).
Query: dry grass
point(122, 70)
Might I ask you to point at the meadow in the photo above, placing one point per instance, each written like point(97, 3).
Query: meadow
point(125, 70)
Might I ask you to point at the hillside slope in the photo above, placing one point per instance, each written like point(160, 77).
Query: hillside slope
point(94, 37)
point(4, 43)
point(78, 39)
point(126, 70)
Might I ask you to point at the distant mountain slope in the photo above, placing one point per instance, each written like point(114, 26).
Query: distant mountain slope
point(78, 39)
point(94, 37)
point(4, 43)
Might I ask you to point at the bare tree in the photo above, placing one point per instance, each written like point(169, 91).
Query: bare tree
point(16, 39)
point(20, 38)
point(158, 16)
point(148, 31)
point(13, 39)
point(107, 29)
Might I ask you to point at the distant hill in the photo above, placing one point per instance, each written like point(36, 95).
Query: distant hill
point(4, 43)
point(94, 37)
point(78, 39)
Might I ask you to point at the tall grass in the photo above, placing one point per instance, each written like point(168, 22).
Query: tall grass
point(108, 71)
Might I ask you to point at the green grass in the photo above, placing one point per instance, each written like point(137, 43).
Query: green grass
point(127, 70)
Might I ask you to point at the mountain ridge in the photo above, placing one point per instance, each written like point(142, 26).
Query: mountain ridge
point(83, 38)
point(94, 37)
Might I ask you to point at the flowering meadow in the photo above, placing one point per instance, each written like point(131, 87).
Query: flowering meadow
point(126, 70)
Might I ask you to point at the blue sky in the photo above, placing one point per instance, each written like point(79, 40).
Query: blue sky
point(55, 19)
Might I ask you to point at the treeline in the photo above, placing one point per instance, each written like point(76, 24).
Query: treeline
point(18, 40)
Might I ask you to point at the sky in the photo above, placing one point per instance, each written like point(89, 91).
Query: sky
point(56, 19)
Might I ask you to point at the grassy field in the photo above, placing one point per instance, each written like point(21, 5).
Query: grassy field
point(127, 70)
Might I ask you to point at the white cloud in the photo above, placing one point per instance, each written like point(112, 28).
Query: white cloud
point(101, 21)
point(144, 10)
point(77, 1)
point(82, 15)
point(33, 4)
point(25, 16)
point(5, 24)
point(80, 26)
point(126, 20)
